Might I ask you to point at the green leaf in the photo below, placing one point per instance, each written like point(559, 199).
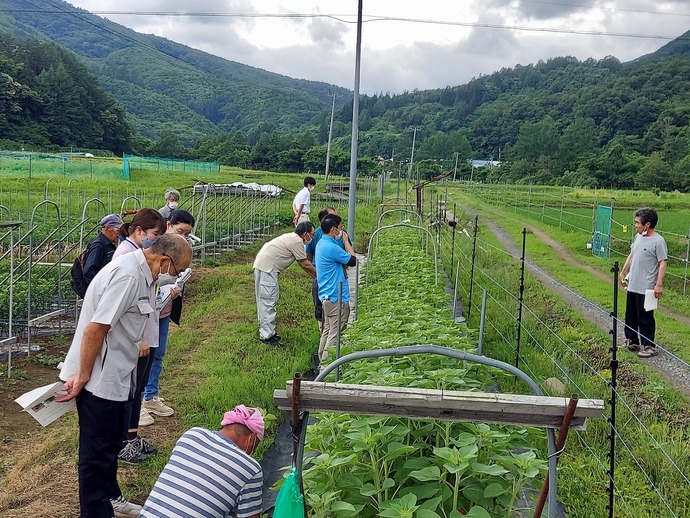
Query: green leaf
point(342, 506)
point(493, 490)
point(396, 449)
point(488, 469)
point(388, 483)
point(478, 512)
point(368, 490)
point(426, 513)
point(427, 474)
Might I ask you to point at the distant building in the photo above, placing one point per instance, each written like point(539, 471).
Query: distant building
point(484, 163)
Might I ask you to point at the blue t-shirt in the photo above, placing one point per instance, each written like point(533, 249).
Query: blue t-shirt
point(330, 258)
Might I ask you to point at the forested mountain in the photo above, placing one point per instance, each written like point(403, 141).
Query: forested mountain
point(160, 82)
point(48, 98)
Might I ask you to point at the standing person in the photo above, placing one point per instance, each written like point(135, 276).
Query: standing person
point(644, 269)
point(211, 474)
point(330, 260)
point(301, 205)
point(144, 230)
point(99, 368)
point(273, 258)
point(311, 254)
point(172, 200)
point(99, 252)
point(180, 222)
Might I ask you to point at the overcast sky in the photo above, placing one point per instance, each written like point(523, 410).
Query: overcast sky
point(422, 44)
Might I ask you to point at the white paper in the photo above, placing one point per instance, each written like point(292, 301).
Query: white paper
point(40, 403)
point(650, 301)
point(163, 295)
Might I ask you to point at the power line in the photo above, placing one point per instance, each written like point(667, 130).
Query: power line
point(369, 19)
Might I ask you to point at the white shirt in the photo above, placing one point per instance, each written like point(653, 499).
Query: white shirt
point(303, 198)
point(119, 297)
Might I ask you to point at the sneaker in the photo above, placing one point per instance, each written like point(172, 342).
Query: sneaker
point(632, 346)
point(156, 406)
point(647, 352)
point(145, 419)
point(124, 509)
point(132, 453)
point(274, 341)
point(145, 446)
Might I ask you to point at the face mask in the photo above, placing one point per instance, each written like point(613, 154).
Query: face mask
point(147, 242)
point(644, 232)
point(173, 204)
point(165, 278)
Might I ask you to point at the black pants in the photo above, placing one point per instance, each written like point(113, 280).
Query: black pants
point(318, 305)
point(100, 440)
point(637, 320)
point(133, 407)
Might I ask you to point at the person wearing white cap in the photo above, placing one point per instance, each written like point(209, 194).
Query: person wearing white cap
point(100, 249)
point(211, 474)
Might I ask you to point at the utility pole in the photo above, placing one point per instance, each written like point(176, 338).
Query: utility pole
point(355, 130)
point(455, 171)
point(409, 170)
point(330, 137)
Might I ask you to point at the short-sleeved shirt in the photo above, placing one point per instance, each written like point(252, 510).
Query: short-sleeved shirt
point(118, 296)
point(303, 197)
point(151, 333)
point(647, 252)
point(207, 476)
point(330, 259)
point(279, 253)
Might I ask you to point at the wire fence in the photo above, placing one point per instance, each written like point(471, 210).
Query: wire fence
point(635, 461)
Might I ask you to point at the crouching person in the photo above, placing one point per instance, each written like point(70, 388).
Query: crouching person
point(210, 474)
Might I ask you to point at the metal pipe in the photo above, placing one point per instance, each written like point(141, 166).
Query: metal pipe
point(482, 318)
point(560, 445)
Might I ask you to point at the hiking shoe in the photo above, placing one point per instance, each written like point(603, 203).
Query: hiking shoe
point(132, 453)
point(145, 446)
point(632, 346)
point(647, 352)
point(145, 418)
point(274, 341)
point(156, 406)
point(124, 509)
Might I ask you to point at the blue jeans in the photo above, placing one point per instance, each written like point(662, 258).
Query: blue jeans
point(157, 364)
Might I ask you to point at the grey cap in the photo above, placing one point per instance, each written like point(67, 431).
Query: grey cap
point(111, 220)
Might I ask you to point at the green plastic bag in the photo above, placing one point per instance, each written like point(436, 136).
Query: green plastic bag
point(290, 502)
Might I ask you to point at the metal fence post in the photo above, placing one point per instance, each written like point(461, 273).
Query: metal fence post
point(521, 297)
point(474, 255)
point(687, 254)
point(614, 369)
point(480, 346)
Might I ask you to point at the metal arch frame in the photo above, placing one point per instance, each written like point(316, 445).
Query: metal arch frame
point(122, 205)
point(407, 211)
point(84, 219)
point(32, 226)
point(407, 225)
point(451, 353)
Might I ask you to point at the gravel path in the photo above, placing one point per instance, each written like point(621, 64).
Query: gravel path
point(674, 370)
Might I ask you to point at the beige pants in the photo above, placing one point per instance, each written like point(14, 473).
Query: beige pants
point(302, 217)
point(267, 293)
point(329, 335)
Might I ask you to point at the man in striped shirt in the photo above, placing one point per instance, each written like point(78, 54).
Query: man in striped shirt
point(211, 474)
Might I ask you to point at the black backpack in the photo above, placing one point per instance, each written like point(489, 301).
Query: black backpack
point(77, 282)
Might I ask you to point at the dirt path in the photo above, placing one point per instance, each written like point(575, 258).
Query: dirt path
point(665, 364)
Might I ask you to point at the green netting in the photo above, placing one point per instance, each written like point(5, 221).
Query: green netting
point(601, 242)
point(145, 163)
point(68, 165)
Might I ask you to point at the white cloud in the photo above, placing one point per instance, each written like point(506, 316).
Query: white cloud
point(316, 41)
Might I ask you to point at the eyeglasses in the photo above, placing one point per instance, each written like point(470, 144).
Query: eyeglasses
point(177, 272)
point(181, 232)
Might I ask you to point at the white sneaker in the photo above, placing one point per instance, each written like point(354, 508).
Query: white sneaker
point(124, 509)
point(145, 419)
point(156, 406)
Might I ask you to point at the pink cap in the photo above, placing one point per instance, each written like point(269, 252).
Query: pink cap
point(249, 417)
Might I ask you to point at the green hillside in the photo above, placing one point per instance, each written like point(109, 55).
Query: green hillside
point(224, 95)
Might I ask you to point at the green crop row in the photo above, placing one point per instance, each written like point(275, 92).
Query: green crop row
point(398, 467)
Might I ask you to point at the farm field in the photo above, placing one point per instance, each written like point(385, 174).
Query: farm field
point(216, 361)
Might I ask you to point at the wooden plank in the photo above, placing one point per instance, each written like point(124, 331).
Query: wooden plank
point(541, 411)
point(46, 317)
point(6, 342)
